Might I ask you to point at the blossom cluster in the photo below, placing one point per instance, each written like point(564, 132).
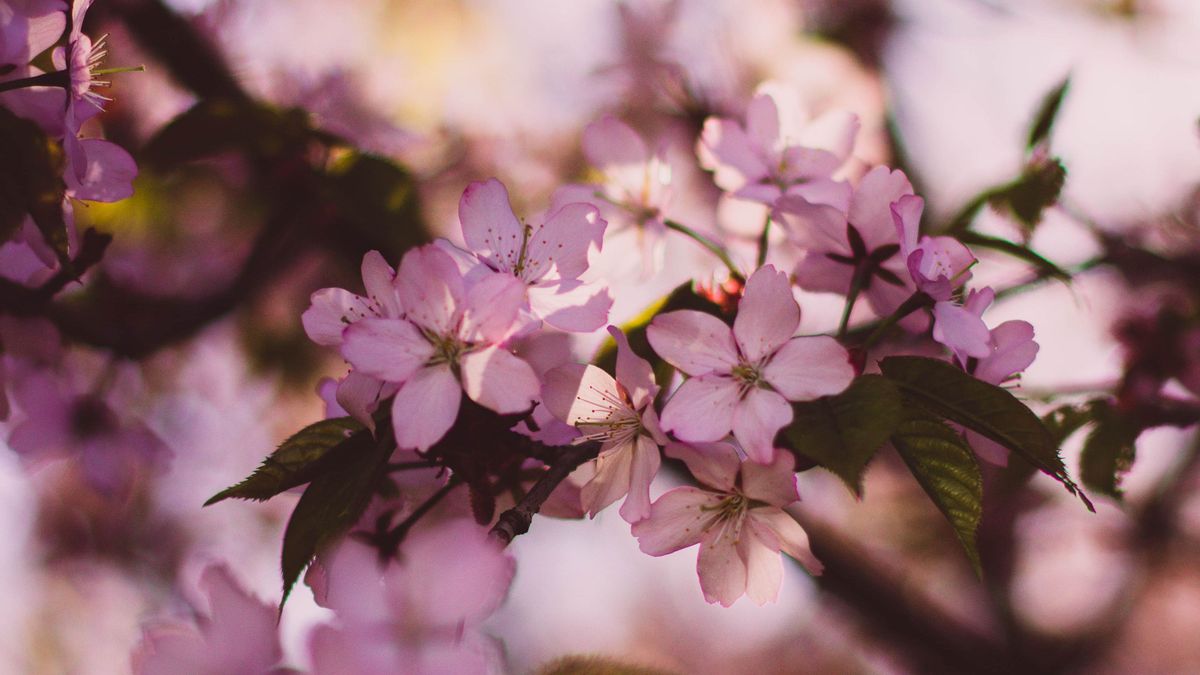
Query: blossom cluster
point(463, 319)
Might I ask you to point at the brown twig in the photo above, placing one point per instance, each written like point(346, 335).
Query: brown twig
point(19, 300)
point(516, 520)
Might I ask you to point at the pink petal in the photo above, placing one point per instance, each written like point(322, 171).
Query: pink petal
point(379, 282)
point(759, 548)
point(565, 388)
point(571, 305)
point(988, 450)
point(611, 481)
point(773, 482)
point(491, 308)
point(823, 191)
point(792, 538)
point(813, 226)
point(241, 628)
point(871, 206)
point(818, 272)
point(616, 149)
point(331, 311)
point(359, 394)
point(562, 242)
point(106, 174)
point(633, 372)
point(979, 300)
point(756, 419)
point(677, 520)
point(720, 566)
point(1014, 351)
point(425, 407)
point(765, 193)
point(728, 151)
point(906, 217)
point(960, 330)
point(694, 342)
point(809, 367)
point(387, 349)
point(715, 465)
point(498, 380)
point(644, 465)
point(767, 314)
point(762, 122)
point(431, 289)
point(833, 131)
point(490, 228)
point(804, 164)
point(702, 409)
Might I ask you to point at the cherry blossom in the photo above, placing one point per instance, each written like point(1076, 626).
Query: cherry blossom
point(741, 379)
point(619, 414)
point(235, 633)
point(547, 258)
point(737, 518)
point(450, 341)
point(419, 615)
point(776, 152)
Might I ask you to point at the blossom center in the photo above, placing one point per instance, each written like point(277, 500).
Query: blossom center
point(609, 418)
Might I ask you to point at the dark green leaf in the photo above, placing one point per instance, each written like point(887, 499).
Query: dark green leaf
point(215, 126)
point(990, 411)
point(843, 432)
point(31, 166)
point(945, 466)
point(1109, 451)
point(296, 461)
point(379, 200)
point(683, 297)
point(1045, 267)
point(1036, 190)
point(1064, 421)
point(333, 502)
point(1043, 121)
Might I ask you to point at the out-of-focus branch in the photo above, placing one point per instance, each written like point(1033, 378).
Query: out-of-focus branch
point(20, 300)
point(516, 520)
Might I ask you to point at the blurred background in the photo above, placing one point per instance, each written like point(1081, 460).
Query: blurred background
point(215, 257)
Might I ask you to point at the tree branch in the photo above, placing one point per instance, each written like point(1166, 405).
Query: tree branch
point(516, 520)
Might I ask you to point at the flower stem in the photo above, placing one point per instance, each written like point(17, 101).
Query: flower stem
point(715, 248)
point(764, 241)
point(913, 303)
point(59, 78)
point(857, 283)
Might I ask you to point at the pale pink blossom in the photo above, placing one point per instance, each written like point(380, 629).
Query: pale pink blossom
point(778, 151)
point(741, 379)
point(418, 615)
point(450, 342)
point(619, 414)
point(548, 258)
point(737, 518)
point(28, 28)
point(235, 633)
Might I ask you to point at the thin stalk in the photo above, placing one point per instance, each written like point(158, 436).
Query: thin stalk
point(59, 78)
point(764, 241)
point(857, 283)
point(913, 303)
point(713, 247)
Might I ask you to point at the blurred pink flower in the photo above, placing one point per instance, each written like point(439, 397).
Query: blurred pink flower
point(620, 415)
point(742, 379)
point(778, 151)
point(419, 615)
point(448, 343)
point(547, 258)
point(236, 633)
point(737, 519)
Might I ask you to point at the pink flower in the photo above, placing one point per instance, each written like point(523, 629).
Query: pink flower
point(449, 342)
point(776, 152)
point(548, 259)
point(333, 309)
point(235, 633)
point(737, 519)
point(416, 616)
point(938, 265)
point(620, 415)
point(742, 379)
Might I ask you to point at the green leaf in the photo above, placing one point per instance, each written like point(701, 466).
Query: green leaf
point(986, 409)
point(682, 297)
point(215, 126)
point(1045, 267)
point(333, 502)
point(379, 200)
point(1109, 451)
point(1043, 121)
point(942, 462)
point(843, 432)
point(295, 462)
point(31, 166)
point(1064, 421)
point(1036, 190)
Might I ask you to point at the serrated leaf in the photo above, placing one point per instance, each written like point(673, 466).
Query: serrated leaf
point(1044, 266)
point(1064, 421)
point(31, 166)
point(333, 503)
point(215, 126)
point(843, 432)
point(942, 462)
point(991, 411)
point(682, 297)
point(1109, 451)
point(1047, 113)
point(295, 462)
point(1036, 190)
